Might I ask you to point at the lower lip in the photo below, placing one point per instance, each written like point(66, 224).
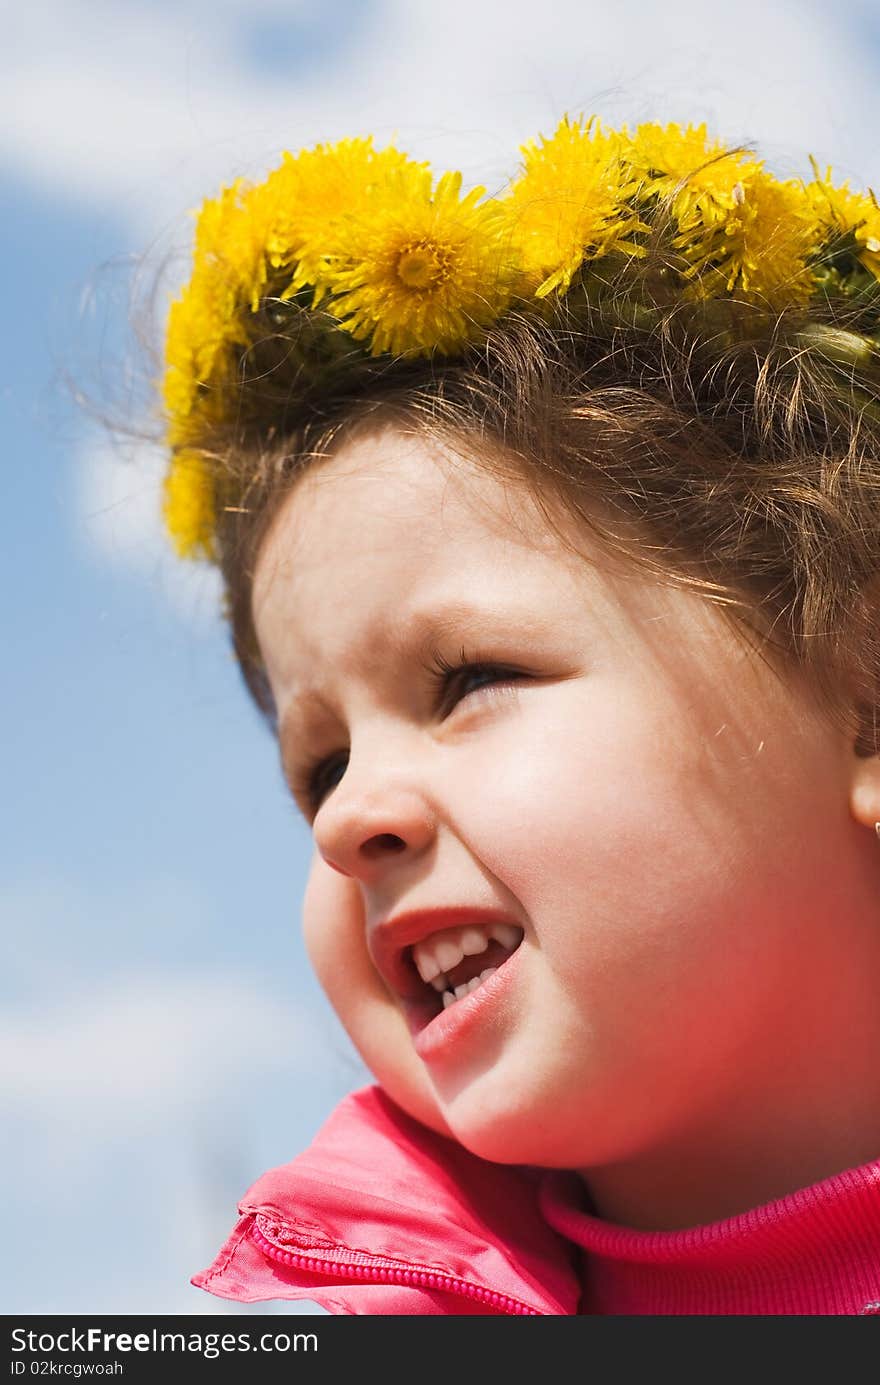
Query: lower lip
point(433, 1037)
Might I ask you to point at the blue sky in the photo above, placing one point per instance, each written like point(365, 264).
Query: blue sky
point(163, 1041)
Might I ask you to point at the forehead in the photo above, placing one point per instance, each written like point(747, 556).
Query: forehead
point(392, 543)
point(389, 481)
point(388, 513)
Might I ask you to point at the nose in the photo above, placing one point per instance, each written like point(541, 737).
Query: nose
point(377, 814)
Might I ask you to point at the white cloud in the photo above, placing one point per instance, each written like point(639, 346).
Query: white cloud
point(119, 522)
point(139, 1052)
point(126, 1115)
point(97, 1041)
point(141, 1101)
point(147, 106)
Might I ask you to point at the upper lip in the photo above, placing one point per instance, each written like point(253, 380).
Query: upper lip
point(389, 939)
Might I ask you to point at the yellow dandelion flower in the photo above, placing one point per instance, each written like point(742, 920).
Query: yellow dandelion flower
point(227, 256)
point(841, 213)
point(701, 178)
point(417, 269)
point(231, 235)
point(761, 248)
point(316, 188)
point(570, 204)
point(188, 506)
point(244, 236)
point(198, 327)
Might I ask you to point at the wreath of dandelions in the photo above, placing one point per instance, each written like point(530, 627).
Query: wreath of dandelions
point(383, 262)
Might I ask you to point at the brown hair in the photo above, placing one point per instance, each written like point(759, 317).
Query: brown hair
point(743, 443)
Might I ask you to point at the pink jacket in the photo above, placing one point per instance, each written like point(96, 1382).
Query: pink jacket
point(382, 1216)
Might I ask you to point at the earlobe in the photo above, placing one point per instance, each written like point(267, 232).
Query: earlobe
point(865, 791)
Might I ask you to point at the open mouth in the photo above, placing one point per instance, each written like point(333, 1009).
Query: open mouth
point(466, 976)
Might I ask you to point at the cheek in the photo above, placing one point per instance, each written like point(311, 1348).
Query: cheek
point(637, 838)
point(601, 818)
point(568, 788)
point(334, 939)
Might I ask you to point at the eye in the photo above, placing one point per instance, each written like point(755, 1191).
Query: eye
point(316, 780)
point(450, 686)
point(453, 680)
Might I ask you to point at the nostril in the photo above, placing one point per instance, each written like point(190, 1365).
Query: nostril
point(383, 841)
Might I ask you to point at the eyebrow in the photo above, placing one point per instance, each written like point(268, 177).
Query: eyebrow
point(416, 633)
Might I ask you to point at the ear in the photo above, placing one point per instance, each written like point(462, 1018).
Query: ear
point(864, 794)
point(864, 689)
point(864, 769)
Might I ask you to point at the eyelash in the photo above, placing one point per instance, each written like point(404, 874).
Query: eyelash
point(443, 676)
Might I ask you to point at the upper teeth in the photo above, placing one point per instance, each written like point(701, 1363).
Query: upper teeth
point(443, 951)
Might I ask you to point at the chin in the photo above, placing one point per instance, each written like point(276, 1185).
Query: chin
point(414, 1095)
point(497, 1146)
point(500, 1137)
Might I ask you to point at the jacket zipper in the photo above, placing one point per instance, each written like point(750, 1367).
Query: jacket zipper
point(379, 1272)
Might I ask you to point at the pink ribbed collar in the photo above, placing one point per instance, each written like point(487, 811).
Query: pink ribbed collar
point(816, 1251)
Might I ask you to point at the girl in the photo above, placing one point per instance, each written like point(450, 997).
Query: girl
point(549, 528)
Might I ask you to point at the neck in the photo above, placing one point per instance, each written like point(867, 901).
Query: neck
point(672, 1193)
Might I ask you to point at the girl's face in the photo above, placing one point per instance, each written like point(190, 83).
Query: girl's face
point(661, 819)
